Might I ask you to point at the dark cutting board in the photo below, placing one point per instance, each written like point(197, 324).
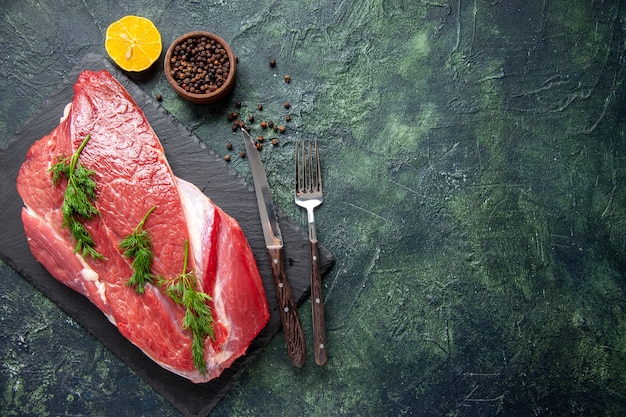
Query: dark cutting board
point(191, 161)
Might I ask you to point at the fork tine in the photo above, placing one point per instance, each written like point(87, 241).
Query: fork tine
point(301, 168)
point(305, 168)
point(319, 171)
point(309, 175)
point(298, 186)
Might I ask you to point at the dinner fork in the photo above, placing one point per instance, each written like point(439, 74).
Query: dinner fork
point(308, 194)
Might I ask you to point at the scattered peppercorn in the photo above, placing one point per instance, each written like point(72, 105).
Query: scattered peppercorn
point(227, 158)
point(232, 116)
point(238, 124)
point(159, 97)
point(200, 65)
point(264, 124)
point(272, 62)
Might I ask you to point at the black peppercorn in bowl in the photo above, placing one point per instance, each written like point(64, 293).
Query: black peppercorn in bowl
point(201, 67)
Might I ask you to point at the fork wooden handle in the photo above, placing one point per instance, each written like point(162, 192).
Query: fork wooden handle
point(317, 298)
point(292, 328)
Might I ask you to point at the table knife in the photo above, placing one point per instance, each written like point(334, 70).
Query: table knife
point(292, 328)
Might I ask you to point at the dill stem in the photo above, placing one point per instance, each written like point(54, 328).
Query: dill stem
point(76, 154)
point(145, 218)
point(186, 257)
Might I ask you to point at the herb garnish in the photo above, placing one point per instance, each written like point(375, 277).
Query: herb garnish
point(138, 247)
point(77, 199)
point(198, 318)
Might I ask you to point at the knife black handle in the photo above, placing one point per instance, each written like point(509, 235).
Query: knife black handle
point(317, 299)
point(292, 328)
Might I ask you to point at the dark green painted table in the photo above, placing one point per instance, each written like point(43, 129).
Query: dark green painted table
point(474, 159)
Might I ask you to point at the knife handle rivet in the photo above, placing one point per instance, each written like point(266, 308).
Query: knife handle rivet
point(280, 285)
point(286, 309)
point(275, 261)
point(315, 258)
point(317, 301)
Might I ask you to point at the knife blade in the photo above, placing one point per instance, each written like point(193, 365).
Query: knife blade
point(292, 328)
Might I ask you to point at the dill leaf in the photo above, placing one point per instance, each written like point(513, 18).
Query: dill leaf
point(198, 318)
point(78, 198)
point(138, 247)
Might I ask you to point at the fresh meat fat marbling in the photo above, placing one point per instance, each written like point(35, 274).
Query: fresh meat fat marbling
point(133, 175)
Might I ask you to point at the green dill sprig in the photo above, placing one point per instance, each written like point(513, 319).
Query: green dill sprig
point(77, 199)
point(138, 247)
point(198, 318)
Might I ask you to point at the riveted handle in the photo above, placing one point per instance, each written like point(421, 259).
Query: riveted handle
point(292, 328)
point(317, 299)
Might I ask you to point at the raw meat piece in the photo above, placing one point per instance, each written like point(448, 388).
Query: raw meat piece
point(132, 175)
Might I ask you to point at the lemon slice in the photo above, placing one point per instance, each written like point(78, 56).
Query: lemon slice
point(133, 43)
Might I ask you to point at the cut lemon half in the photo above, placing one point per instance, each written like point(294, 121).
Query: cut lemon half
point(133, 43)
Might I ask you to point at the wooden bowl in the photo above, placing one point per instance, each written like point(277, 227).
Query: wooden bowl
point(213, 64)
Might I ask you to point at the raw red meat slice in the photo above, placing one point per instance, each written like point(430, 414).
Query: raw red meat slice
point(132, 175)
